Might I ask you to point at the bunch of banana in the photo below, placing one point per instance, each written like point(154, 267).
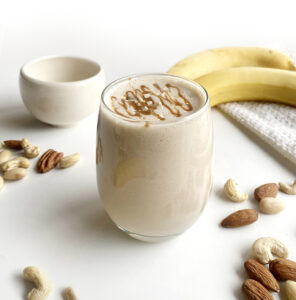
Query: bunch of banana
point(242, 73)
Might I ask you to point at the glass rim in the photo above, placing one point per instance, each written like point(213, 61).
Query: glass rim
point(156, 122)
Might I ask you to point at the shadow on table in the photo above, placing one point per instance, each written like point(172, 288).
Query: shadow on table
point(99, 225)
point(18, 118)
point(84, 227)
point(27, 286)
point(265, 147)
point(90, 224)
point(219, 192)
point(241, 273)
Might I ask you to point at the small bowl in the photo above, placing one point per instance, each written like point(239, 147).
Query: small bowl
point(61, 90)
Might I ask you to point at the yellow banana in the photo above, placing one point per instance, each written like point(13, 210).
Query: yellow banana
point(250, 83)
point(213, 60)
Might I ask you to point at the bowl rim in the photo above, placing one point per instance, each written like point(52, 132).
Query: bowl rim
point(26, 76)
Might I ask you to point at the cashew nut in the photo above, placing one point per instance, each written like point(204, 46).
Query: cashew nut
point(31, 151)
point(270, 205)
point(288, 189)
point(69, 294)
point(1, 144)
point(41, 281)
point(264, 248)
point(290, 288)
point(1, 183)
point(15, 174)
point(232, 192)
point(18, 162)
point(4, 156)
point(69, 161)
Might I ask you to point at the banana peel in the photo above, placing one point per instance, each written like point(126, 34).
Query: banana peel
point(241, 74)
point(213, 60)
point(250, 84)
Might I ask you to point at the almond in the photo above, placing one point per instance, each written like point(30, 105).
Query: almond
point(258, 272)
point(266, 190)
point(255, 290)
point(283, 269)
point(13, 144)
point(240, 218)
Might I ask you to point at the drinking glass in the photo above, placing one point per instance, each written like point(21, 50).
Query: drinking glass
point(154, 180)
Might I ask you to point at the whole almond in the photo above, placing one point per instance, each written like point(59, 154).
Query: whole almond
point(240, 218)
point(283, 269)
point(13, 144)
point(266, 190)
point(255, 290)
point(258, 272)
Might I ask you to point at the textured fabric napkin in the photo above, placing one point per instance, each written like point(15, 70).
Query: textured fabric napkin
point(274, 123)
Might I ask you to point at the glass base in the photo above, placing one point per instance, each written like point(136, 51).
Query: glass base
point(149, 239)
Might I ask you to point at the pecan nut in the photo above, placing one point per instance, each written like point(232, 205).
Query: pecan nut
point(49, 160)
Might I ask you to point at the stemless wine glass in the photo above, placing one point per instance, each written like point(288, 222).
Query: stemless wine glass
point(154, 181)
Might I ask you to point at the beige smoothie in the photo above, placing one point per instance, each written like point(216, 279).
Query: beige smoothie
point(154, 154)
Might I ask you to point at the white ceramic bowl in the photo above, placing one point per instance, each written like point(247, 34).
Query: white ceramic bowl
point(61, 90)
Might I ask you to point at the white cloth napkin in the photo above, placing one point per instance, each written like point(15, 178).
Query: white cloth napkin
point(274, 123)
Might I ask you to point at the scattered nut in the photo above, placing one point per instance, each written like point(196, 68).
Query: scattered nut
point(13, 144)
point(271, 205)
point(49, 160)
point(266, 190)
point(31, 151)
point(1, 145)
point(288, 189)
point(255, 290)
point(15, 174)
point(1, 183)
point(283, 269)
point(69, 294)
point(41, 281)
point(264, 248)
point(232, 192)
point(4, 156)
point(290, 289)
point(18, 162)
point(240, 218)
point(69, 161)
point(260, 273)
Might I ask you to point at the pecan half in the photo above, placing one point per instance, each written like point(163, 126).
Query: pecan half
point(49, 160)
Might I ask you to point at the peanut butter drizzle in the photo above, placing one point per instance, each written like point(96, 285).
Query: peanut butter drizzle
point(141, 102)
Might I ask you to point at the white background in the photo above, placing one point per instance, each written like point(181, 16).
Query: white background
point(56, 221)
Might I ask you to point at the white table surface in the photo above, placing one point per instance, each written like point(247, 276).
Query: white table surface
point(56, 220)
